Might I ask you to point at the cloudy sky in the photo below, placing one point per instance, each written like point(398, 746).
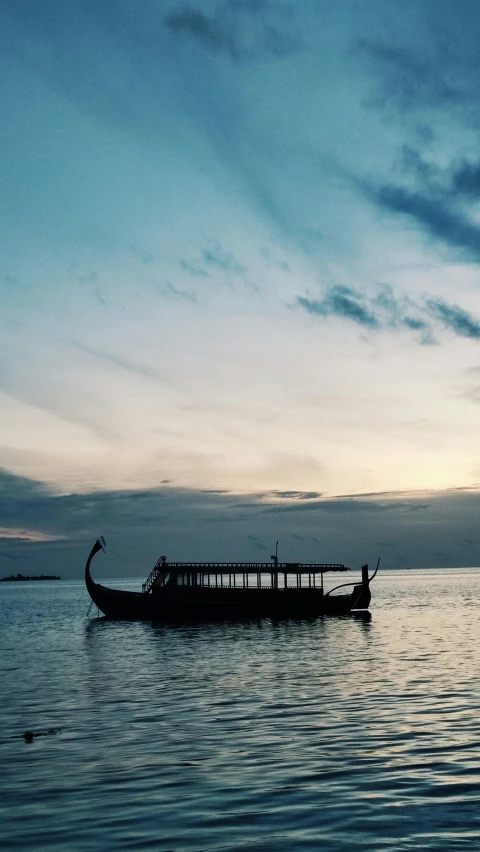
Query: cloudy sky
point(240, 251)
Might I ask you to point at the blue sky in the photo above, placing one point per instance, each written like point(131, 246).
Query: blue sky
point(240, 246)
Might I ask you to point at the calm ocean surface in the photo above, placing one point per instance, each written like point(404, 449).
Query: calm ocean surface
point(331, 734)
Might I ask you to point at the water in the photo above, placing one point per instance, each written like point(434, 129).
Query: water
point(332, 734)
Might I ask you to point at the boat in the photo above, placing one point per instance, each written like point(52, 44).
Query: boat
point(231, 590)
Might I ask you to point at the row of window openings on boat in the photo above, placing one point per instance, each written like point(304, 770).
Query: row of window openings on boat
point(247, 581)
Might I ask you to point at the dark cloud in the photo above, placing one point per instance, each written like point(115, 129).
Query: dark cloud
point(189, 524)
point(415, 324)
point(196, 23)
point(458, 181)
point(368, 312)
point(436, 216)
point(341, 302)
point(465, 179)
point(377, 495)
point(413, 163)
point(350, 506)
point(435, 197)
point(441, 200)
point(459, 321)
point(296, 495)
point(399, 313)
point(15, 488)
point(385, 310)
point(242, 29)
point(406, 79)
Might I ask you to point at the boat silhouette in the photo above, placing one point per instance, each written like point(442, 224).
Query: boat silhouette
point(231, 590)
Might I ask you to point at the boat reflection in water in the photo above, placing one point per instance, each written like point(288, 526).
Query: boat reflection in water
point(230, 590)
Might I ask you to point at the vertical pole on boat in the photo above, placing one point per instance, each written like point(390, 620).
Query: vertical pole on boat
point(274, 557)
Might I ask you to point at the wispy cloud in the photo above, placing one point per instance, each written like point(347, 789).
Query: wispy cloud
point(7, 533)
point(385, 310)
point(242, 29)
point(170, 291)
point(408, 80)
point(257, 543)
point(197, 24)
point(437, 216)
point(296, 495)
point(341, 302)
point(224, 260)
point(458, 181)
point(454, 318)
point(465, 179)
point(440, 198)
point(350, 506)
point(195, 271)
point(117, 361)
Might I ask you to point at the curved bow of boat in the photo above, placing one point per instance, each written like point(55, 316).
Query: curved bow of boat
point(90, 584)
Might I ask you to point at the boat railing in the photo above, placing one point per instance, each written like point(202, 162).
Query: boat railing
point(205, 571)
point(251, 582)
point(158, 574)
point(264, 567)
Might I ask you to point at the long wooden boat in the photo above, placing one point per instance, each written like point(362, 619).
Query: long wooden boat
point(230, 590)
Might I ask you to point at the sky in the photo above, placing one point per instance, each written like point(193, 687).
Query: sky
point(239, 272)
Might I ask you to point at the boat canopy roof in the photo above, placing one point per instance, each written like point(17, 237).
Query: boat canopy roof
point(251, 567)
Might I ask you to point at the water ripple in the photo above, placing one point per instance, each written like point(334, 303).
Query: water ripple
point(324, 733)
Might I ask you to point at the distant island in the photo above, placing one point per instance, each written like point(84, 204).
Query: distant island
point(19, 578)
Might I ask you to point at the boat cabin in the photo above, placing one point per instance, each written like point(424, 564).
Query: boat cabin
point(239, 575)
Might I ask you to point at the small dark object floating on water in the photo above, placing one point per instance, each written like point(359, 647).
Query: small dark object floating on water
point(230, 590)
point(29, 736)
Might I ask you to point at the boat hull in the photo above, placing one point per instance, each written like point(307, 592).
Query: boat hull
point(223, 603)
